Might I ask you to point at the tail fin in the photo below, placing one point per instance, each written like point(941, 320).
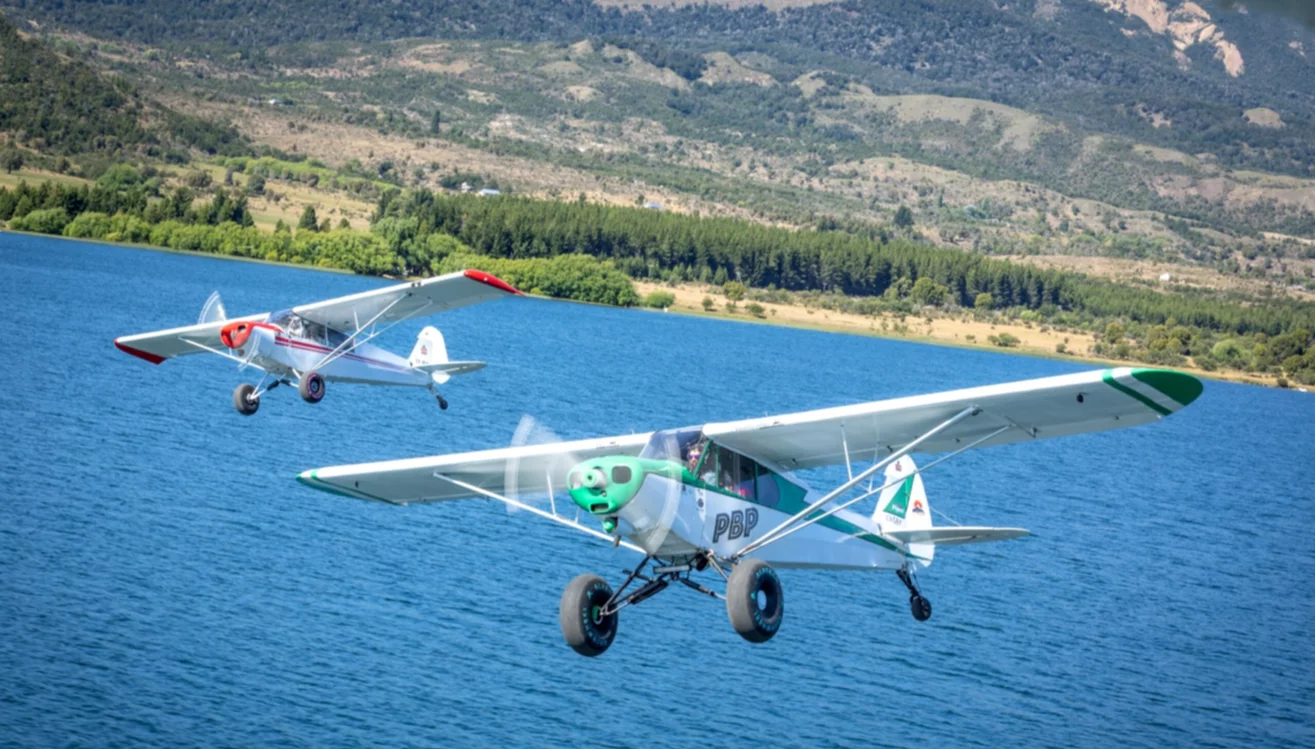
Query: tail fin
point(903, 505)
point(429, 348)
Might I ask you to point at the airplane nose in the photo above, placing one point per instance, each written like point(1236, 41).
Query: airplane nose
point(593, 479)
point(234, 334)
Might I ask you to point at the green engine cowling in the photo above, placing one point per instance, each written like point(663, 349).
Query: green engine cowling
point(603, 486)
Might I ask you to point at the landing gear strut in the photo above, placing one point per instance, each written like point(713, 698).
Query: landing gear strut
point(920, 606)
point(590, 610)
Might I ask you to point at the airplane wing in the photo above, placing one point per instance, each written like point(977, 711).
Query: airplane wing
point(526, 469)
point(159, 345)
point(404, 301)
point(955, 535)
point(1034, 409)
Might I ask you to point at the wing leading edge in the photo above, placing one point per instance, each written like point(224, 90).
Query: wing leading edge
point(159, 345)
point(527, 469)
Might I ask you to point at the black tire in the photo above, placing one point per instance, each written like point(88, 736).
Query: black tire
point(242, 400)
point(751, 580)
point(311, 388)
point(586, 630)
point(921, 607)
point(442, 402)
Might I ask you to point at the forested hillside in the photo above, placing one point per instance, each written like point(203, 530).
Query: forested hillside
point(1072, 59)
point(55, 105)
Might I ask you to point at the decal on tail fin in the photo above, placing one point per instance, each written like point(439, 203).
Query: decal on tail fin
point(903, 505)
point(429, 348)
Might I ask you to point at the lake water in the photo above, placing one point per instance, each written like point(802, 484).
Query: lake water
point(165, 582)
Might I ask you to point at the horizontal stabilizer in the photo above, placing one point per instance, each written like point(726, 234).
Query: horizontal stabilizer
point(443, 371)
point(955, 535)
point(453, 367)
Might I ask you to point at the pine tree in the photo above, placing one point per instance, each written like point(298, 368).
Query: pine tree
point(309, 221)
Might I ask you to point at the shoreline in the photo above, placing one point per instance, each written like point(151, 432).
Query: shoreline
point(193, 253)
point(845, 323)
point(850, 324)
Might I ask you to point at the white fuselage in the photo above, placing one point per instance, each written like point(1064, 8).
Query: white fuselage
point(285, 355)
point(700, 519)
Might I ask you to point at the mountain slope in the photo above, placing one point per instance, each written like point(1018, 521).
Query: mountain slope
point(56, 105)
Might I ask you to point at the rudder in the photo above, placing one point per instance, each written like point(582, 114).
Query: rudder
point(429, 348)
point(903, 505)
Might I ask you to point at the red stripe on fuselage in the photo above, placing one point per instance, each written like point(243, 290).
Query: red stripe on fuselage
point(304, 345)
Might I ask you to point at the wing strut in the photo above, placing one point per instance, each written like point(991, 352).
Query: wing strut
point(347, 345)
point(553, 516)
point(780, 530)
point(865, 495)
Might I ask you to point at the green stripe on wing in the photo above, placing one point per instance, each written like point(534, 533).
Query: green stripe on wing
point(1179, 388)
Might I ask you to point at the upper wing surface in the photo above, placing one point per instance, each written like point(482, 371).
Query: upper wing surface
point(1036, 409)
point(404, 301)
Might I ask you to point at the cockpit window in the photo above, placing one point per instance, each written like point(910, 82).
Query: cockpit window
point(298, 326)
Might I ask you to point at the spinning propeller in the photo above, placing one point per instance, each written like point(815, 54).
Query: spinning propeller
point(648, 516)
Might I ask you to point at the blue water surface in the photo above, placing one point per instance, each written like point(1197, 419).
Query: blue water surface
point(165, 582)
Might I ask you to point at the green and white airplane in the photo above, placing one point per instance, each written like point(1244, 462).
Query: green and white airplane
point(722, 499)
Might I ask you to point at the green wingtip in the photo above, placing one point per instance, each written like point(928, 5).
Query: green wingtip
point(1179, 386)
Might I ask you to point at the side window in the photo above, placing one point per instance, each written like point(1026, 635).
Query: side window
point(735, 473)
point(769, 494)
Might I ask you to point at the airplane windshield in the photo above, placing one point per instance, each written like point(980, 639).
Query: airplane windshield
point(684, 445)
point(298, 326)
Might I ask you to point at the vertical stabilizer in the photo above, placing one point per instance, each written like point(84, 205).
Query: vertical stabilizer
point(903, 504)
point(429, 348)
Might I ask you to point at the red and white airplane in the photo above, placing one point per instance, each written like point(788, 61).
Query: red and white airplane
point(329, 341)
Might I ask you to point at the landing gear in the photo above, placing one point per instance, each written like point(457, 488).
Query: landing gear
point(245, 399)
point(311, 387)
point(920, 606)
point(589, 609)
point(442, 402)
point(755, 601)
point(587, 625)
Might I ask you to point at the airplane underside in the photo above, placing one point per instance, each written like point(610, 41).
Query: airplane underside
point(684, 529)
point(289, 360)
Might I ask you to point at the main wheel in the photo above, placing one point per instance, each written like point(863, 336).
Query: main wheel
point(755, 601)
point(921, 607)
point(243, 401)
point(311, 388)
point(587, 630)
point(442, 402)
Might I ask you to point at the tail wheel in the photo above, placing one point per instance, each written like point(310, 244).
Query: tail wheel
point(586, 628)
point(755, 600)
point(244, 399)
point(311, 388)
point(921, 607)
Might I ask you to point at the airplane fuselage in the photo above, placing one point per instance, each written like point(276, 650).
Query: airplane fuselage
point(285, 355)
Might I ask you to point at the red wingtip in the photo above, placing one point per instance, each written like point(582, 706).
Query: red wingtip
point(148, 356)
point(494, 281)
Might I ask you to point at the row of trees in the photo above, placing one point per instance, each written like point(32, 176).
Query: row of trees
point(654, 244)
point(121, 208)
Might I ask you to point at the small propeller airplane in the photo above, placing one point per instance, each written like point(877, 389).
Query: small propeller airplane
point(329, 341)
point(723, 495)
